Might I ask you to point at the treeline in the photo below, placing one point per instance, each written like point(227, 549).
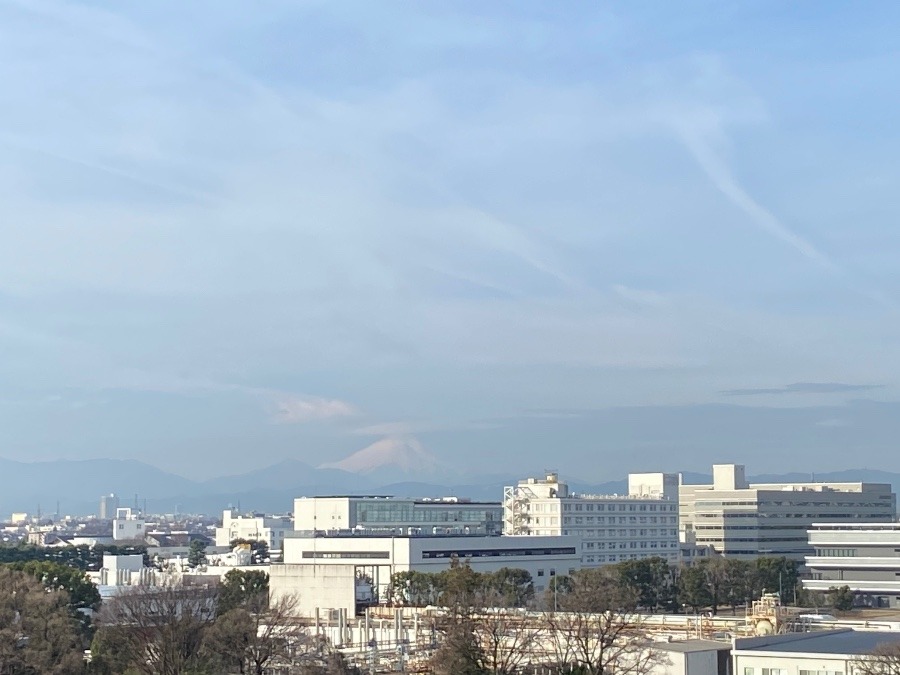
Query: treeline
point(587, 625)
point(655, 585)
point(232, 628)
point(82, 557)
point(171, 630)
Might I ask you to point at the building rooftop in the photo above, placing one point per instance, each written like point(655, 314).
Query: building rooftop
point(431, 501)
point(380, 533)
point(689, 646)
point(846, 641)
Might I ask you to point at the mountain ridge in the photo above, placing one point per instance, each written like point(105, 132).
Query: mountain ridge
point(78, 484)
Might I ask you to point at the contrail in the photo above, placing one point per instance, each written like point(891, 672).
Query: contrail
point(721, 176)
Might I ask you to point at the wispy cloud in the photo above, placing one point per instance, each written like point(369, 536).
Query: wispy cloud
point(300, 409)
point(804, 388)
point(703, 134)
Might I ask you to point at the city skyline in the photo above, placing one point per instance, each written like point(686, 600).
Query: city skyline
point(611, 239)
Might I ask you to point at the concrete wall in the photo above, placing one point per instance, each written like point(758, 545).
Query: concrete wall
point(316, 586)
point(322, 513)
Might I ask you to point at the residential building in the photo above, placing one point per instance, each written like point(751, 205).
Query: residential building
point(612, 528)
point(348, 572)
point(830, 652)
point(746, 521)
point(448, 515)
point(254, 527)
point(863, 556)
point(109, 504)
point(127, 526)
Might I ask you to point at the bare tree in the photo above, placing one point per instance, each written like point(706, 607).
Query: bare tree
point(255, 637)
point(884, 660)
point(507, 639)
point(160, 630)
point(597, 630)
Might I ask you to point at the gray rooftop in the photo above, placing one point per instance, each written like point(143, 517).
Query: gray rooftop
point(850, 642)
point(690, 646)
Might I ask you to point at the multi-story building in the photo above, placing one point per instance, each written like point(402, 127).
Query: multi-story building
point(863, 556)
point(448, 515)
point(349, 571)
point(108, 506)
point(612, 528)
point(127, 526)
point(255, 527)
point(747, 521)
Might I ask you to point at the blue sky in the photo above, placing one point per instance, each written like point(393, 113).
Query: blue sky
point(597, 237)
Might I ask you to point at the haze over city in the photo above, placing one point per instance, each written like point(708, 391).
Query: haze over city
point(618, 238)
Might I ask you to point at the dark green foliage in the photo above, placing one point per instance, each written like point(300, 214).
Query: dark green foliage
point(692, 589)
point(654, 581)
point(56, 576)
point(775, 575)
point(718, 581)
point(841, 598)
point(197, 553)
point(243, 588)
point(38, 634)
point(89, 558)
point(460, 585)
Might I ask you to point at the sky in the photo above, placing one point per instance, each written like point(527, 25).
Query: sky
point(512, 236)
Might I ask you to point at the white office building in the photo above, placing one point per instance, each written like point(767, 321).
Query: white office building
point(864, 557)
point(746, 521)
point(127, 526)
point(254, 527)
point(611, 528)
point(448, 515)
point(351, 571)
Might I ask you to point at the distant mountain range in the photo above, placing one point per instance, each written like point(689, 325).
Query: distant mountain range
point(78, 485)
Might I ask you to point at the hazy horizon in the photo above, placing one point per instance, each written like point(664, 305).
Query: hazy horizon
point(601, 240)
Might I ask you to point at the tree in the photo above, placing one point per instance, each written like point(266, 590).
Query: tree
point(197, 553)
point(652, 579)
point(83, 594)
point(737, 587)
point(243, 587)
point(884, 660)
point(597, 631)
point(509, 587)
point(253, 639)
point(842, 598)
point(37, 631)
point(415, 588)
point(460, 651)
point(775, 575)
point(158, 630)
point(692, 589)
